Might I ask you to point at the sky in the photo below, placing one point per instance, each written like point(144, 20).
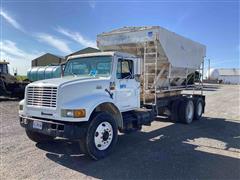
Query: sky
point(31, 28)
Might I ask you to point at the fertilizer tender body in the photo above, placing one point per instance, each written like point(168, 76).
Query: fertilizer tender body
point(160, 50)
point(137, 77)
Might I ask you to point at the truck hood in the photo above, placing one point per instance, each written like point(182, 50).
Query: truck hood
point(66, 80)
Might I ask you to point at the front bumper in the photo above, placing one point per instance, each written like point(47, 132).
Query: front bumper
point(66, 130)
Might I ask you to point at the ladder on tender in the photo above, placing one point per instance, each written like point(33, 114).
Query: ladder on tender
point(150, 68)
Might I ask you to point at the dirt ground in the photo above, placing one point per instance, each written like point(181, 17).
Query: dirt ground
point(206, 149)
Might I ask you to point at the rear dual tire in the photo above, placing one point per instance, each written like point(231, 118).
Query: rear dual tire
point(185, 110)
point(199, 107)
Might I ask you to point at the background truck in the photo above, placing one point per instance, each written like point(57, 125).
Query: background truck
point(137, 77)
point(10, 86)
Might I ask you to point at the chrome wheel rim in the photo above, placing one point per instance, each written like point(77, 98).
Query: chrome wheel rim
point(103, 135)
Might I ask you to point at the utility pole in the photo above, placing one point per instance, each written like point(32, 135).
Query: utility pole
point(208, 69)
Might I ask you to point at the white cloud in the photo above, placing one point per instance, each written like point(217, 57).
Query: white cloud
point(76, 36)
point(59, 44)
point(11, 20)
point(92, 4)
point(18, 58)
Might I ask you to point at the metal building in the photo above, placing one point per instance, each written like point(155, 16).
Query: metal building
point(47, 59)
point(51, 59)
point(84, 51)
point(226, 76)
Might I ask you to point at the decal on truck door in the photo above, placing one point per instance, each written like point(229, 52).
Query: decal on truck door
point(123, 86)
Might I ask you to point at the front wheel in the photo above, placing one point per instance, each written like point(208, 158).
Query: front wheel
point(101, 136)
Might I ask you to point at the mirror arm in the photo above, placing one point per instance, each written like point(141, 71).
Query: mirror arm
point(62, 69)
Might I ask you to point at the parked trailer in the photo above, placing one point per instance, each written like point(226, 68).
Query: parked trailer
point(102, 93)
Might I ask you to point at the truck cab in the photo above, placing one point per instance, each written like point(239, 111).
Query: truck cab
point(105, 82)
point(88, 81)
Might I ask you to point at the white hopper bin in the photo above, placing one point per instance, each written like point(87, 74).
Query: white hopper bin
point(168, 57)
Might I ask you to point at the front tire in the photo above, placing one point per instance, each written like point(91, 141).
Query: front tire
point(101, 137)
point(38, 137)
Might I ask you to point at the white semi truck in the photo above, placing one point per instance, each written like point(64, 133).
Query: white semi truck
point(139, 74)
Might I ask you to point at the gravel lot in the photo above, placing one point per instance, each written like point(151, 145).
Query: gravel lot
point(209, 148)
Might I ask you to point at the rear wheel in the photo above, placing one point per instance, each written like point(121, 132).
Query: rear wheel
point(101, 136)
point(38, 137)
point(186, 111)
point(198, 106)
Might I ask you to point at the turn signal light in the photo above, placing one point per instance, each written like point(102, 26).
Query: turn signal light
point(79, 113)
point(74, 113)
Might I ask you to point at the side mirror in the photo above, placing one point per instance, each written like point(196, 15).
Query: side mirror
point(137, 77)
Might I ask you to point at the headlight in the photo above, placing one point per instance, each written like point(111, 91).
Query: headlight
point(20, 107)
point(74, 113)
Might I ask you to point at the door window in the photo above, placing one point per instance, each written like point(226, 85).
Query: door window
point(125, 69)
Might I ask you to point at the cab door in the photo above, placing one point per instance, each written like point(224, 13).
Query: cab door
point(127, 88)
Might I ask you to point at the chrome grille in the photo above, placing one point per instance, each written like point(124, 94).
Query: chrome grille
point(42, 96)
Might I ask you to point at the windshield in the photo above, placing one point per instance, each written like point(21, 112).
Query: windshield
point(3, 68)
point(99, 66)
